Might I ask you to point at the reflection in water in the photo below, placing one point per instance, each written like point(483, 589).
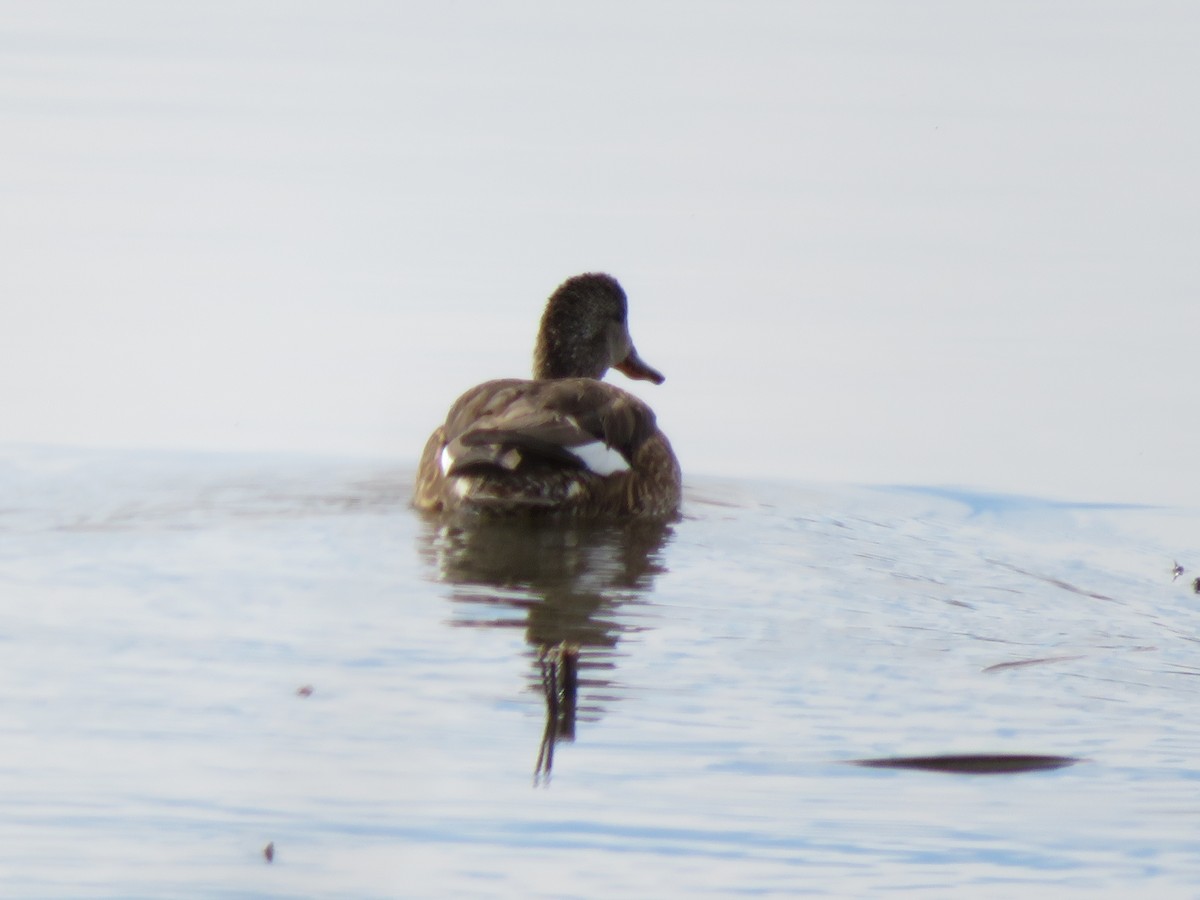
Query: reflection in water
point(560, 686)
point(567, 582)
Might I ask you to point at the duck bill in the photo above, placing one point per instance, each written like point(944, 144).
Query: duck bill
point(633, 367)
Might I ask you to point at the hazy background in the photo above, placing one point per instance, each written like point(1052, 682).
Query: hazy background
point(929, 242)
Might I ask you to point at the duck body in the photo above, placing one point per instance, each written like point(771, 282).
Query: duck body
point(563, 442)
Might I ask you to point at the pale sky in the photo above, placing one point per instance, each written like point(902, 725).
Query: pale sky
point(929, 243)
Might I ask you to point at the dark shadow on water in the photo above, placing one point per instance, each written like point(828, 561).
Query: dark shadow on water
point(972, 764)
point(573, 587)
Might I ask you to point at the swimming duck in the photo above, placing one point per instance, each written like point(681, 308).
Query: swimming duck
point(565, 441)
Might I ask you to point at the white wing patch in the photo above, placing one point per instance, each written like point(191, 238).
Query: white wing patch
point(600, 458)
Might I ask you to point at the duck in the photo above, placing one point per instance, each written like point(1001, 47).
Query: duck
point(564, 442)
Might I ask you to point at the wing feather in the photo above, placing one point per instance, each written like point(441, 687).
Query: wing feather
point(502, 423)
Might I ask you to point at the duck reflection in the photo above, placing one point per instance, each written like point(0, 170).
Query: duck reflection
point(570, 585)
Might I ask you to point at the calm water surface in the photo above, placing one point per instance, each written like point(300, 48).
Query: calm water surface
point(200, 655)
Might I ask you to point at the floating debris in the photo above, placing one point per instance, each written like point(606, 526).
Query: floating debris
point(305, 691)
point(972, 764)
point(1176, 571)
point(1196, 585)
point(269, 852)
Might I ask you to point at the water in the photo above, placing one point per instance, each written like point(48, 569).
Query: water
point(205, 654)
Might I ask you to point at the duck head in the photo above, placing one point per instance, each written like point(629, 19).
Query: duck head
point(585, 332)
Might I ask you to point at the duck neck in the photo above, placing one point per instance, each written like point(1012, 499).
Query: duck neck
point(551, 360)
